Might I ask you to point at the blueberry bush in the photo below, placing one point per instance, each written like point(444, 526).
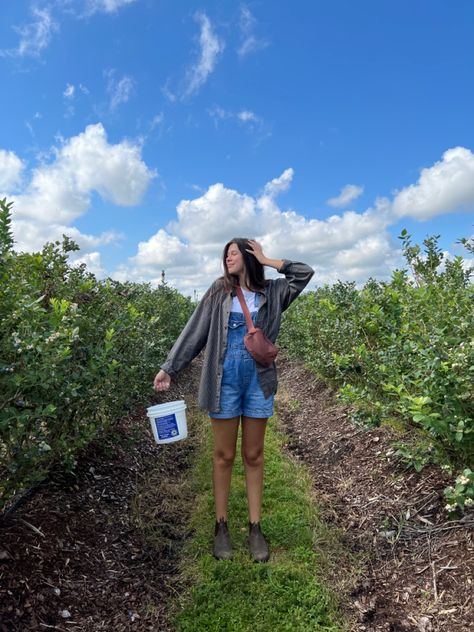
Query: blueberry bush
point(400, 351)
point(76, 353)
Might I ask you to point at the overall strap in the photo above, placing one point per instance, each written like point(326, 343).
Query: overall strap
point(245, 309)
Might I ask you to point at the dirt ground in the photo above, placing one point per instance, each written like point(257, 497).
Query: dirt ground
point(417, 568)
point(99, 551)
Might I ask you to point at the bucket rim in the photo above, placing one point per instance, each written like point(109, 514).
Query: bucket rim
point(175, 405)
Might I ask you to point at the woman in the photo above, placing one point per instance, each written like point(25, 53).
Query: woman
point(234, 388)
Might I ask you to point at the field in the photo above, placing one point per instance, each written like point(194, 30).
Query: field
point(101, 530)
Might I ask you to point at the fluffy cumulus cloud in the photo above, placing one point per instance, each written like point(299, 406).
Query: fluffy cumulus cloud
point(348, 194)
point(351, 246)
point(92, 261)
point(163, 250)
point(446, 187)
point(347, 245)
point(59, 192)
point(11, 169)
point(189, 249)
point(210, 49)
point(202, 220)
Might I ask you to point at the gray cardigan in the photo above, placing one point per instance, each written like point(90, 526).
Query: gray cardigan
point(207, 327)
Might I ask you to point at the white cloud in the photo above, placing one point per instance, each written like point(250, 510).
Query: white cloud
point(29, 124)
point(446, 187)
point(35, 36)
point(249, 42)
point(168, 94)
point(119, 90)
point(71, 94)
point(347, 245)
point(246, 116)
point(31, 235)
point(60, 191)
point(352, 246)
point(219, 211)
point(163, 250)
point(219, 113)
point(280, 184)
point(105, 6)
point(254, 126)
point(348, 194)
point(211, 48)
point(92, 260)
point(69, 91)
point(11, 169)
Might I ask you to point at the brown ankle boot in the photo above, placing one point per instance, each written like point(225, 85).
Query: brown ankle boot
point(222, 546)
point(258, 546)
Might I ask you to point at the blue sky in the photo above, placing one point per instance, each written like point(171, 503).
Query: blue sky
point(153, 131)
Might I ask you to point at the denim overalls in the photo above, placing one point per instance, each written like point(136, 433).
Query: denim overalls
point(241, 393)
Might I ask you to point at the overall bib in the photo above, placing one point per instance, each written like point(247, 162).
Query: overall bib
point(241, 393)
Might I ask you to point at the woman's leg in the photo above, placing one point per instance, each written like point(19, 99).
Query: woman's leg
point(253, 435)
point(225, 438)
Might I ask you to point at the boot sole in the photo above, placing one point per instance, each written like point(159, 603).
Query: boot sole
point(217, 557)
point(258, 561)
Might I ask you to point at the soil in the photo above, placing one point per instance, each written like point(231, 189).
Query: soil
point(99, 550)
point(415, 568)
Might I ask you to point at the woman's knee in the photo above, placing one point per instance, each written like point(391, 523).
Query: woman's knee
point(224, 458)
point(252, 457)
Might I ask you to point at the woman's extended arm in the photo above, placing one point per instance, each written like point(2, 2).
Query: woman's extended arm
point(189, 343)
point(297, 277)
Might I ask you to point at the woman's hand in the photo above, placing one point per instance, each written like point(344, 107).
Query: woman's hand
point(162, 381)
point(256, 250)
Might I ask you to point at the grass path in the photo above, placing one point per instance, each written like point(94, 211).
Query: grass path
point(286, 594)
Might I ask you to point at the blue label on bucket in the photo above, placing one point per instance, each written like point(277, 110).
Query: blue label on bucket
point(166, 427)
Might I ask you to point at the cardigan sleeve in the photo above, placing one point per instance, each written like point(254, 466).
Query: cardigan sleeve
point(193, 338)
point(297, 277)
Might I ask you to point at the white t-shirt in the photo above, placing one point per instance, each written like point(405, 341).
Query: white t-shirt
point(249, 299)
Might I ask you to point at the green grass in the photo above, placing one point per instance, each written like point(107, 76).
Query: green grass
point(239, 595)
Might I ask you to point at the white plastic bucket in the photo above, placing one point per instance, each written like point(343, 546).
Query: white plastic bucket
point(168, 421)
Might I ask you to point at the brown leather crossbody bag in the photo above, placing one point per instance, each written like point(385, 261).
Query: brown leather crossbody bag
point(257, 344)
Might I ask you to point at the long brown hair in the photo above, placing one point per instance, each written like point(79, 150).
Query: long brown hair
point(254, 271)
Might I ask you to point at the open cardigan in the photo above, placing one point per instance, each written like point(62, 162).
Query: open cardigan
point(207, 327)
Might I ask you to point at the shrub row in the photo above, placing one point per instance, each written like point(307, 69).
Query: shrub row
point(400, 351)
point(75, 353)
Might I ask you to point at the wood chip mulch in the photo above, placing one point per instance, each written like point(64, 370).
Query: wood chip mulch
point(416, 566)
point(99, 550)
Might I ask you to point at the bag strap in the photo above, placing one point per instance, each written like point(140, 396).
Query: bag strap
point(245, 309)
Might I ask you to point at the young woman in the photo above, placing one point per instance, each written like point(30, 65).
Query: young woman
point(234, 388)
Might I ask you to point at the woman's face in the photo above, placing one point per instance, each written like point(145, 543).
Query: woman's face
point(234, 260)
